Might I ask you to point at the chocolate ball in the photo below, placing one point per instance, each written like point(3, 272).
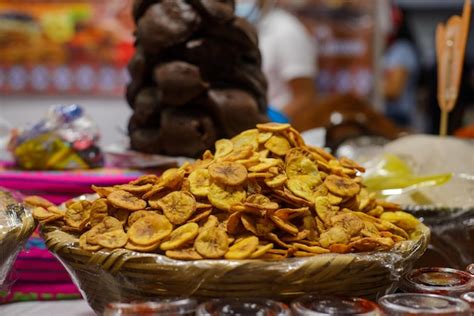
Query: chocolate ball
point(165, 24)
point(178, 82)
point(186, 132)
point(220, 11)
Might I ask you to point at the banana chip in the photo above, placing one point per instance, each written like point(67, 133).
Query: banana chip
point(223, 197)
point(85, 245)
point(261, 250)
point(242, 249)
point(178, 206)
point(278, 145)
point(342, 186)
point(149, 230)
point(108, 224)
point(184, 254)
point(113, 239)
point(228, 173)
point(223, 148)
point(181, 236)
point(246, 138)
point(125, 200)
point(212, 243)
point(273, 127)
point(34, 200)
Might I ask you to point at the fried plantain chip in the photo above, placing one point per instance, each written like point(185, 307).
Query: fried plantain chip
point(149, 230)
point(223, 147)
point(228, 173)
point(212, 243)
point(178, 206)
point(341, 186)
point(242, 249)
point(125, 200)
point(223, 197)
point(181, 236)
point(278, 145)
point(114, 239)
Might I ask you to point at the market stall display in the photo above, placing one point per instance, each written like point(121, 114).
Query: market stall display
point(263, 194)
point(16, 225)
point(196, 76)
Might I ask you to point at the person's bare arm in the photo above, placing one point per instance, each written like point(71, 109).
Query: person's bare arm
point(304, 95)
point(395, 82)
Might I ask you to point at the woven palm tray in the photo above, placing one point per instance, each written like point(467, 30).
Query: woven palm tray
point(124, 275)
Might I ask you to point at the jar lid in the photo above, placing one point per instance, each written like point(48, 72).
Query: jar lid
point(176, 306)
point(422, 304)
point(470, 268)
point(443, 281)
point(242, 307)
point(329, 305)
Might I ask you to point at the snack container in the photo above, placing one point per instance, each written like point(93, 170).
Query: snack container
point(332, 305)
point(228, 307)
point(405, 304)
point(469, 298)
point(16, 226)
point(470, 268)
point(171, 307)
point(443, 281)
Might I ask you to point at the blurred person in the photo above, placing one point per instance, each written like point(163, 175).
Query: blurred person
point(401, 72)
point(288, 55)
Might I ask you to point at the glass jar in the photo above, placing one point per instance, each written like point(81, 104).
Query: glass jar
point(469, 298)
point(405, 304)
point(442, 281)
point(312, 305)
point(242, 307)
point(470, 268)
point(169, 307)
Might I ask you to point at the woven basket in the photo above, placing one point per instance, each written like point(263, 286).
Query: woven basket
point(123, 275)
point(11, 241)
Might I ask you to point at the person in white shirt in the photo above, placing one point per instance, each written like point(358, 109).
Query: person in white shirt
point(288, 55)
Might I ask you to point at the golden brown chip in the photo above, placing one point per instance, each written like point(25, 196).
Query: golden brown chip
point(274, 237)
point(311, 249)
point(376, 212)
point(122, 216)
point(334, 199)
point(223, 147)
point(324, 209)
point(212, 222)
point(246, 138)
point(135, 189)
point(264, 226)
point(40, 213)
point(261, 201)
point(284, 225)
point(298, 237)
point(178, 206)
point(99, 210)
point(263, 175)
point(125, 200)
point(85, 245)
point(233, 223)
point(53, 218)
point(277, 181)
point(334, 235)
point(212, 243)
point(278, 145)
point(239, 154)
point(341, 186)
point(228, 173)
point(263, 137)
point(290, 213)
point(350, 222)
point(181, 236)
point(200, 216)
point(265, 164)
point(249, 224)
point(134, 247)
point(108, 224)
point(34, 200)
point(184, 254)
point(349, 163)
point(135, 216)
point(156, 193)
point(340, 248)
point(261, 250)
point(172, 178)
point(102, 191)
point(304, 186)
point(301, 166)
point(242, 249)
point(223, 197)
point(146, 179)
point(371, 244)
point(199, 181)
point(273, 127)
point(114, 239)
point(401, 219)
point(76, 216)
point(149, 230)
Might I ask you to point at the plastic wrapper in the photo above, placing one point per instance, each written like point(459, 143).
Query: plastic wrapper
point(432, 178)
point(124, 275)
point(16, 226)
point(65, 139)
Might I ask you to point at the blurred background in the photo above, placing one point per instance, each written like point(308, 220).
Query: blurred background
point(360, 53)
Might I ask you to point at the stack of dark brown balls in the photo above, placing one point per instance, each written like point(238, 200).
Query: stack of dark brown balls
point(196, 76)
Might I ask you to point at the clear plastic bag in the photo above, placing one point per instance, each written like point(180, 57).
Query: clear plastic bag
point(64, 139)
point(16, 226)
